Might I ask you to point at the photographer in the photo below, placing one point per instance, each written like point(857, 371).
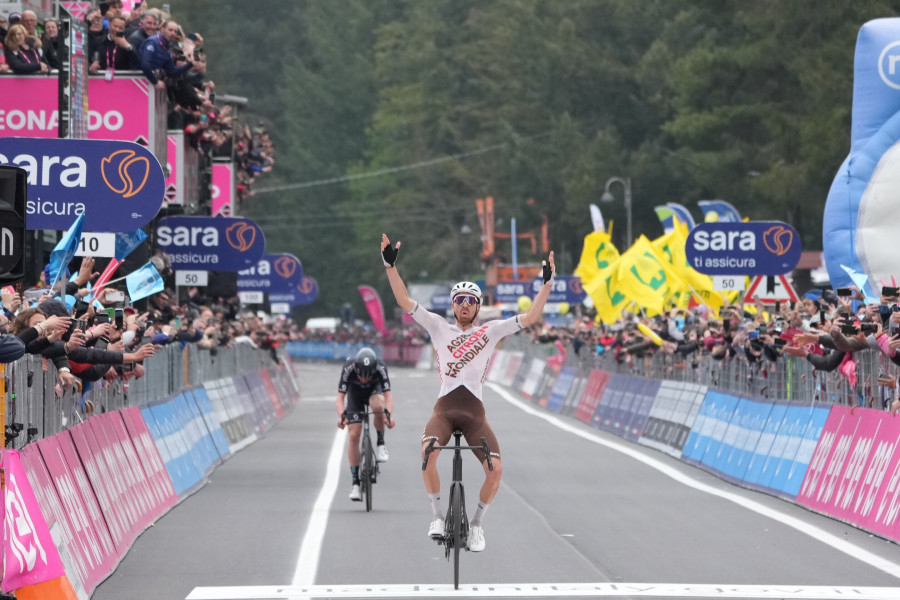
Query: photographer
point(114, 53)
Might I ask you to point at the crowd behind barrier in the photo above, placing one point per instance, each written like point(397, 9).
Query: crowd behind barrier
point(147, 41)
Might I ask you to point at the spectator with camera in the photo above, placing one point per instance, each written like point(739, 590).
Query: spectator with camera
point(115, 53)
point(156, 54)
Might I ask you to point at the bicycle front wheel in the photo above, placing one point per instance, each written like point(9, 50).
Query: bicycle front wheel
point(457, 526)
point(367, 471)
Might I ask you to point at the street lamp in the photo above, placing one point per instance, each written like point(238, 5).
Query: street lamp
point(608, 197)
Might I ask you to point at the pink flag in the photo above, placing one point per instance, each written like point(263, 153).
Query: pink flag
point(373, 304)
point(29, 555)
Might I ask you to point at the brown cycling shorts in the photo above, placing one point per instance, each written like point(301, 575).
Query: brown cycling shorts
point(460, 409)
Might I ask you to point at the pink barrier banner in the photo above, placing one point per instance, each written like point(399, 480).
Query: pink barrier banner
point(109, 495)
point(829, 458)
point(29, 556)
point(131, 466)
point(857, 481)
point(80, 509)
point(158, 481)
point(593, 392)
point(222, 196)
point(118, 108)
point(273, 393)
point(74, 557)
point(171, 167)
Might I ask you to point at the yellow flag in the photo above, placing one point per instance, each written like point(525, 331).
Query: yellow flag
point(597, 254)
point(646, 278)
point(603, 289)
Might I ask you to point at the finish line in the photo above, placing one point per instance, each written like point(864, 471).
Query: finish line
point(544, 590)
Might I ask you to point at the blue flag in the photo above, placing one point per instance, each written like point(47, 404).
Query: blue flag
point(127, 241)
point(719, 211)
point(65, 249)
point(144, 282)
point(682, 213)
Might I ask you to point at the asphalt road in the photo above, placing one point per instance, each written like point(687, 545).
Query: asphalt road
point(580, 512)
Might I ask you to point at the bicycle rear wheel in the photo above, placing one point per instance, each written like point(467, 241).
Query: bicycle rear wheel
point(366, 471)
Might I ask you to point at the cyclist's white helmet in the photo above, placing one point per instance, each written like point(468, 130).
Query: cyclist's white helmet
point(466, 287)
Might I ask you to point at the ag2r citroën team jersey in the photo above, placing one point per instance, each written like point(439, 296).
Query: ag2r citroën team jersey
point(463, 356)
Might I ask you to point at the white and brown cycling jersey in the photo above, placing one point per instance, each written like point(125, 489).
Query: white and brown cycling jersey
point(463, 356)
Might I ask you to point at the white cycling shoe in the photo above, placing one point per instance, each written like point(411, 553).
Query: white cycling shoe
point(355, 494)
point(476, 538)
point(436, 529)
point(381, 454)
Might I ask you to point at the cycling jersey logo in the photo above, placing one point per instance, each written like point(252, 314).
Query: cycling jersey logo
point(241, 236)
point(285, 266)
point(778, 239)
point(125, 173)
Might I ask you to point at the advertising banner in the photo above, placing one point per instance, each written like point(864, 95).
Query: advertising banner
point(29, 555)
point(590, 398)
point(118, 185)
point(210, 243)
point(709, 426)
point(223, 192)
point(746, 248)
point(566, 288)
point(67, 541)
point(759, 466)
point(303, 293)
point(92, 541)
point(115, 504)
point(854, 470)
point(273, 273)
point(159, 483)
point(125, 108)
point(560, 388)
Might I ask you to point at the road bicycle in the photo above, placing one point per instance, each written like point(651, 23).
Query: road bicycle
point(368, 466)
point(456, 525)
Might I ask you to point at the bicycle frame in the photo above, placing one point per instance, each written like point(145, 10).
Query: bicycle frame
point(368, 466)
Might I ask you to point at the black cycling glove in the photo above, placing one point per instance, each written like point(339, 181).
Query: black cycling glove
point(548, 272)
point(389, 255)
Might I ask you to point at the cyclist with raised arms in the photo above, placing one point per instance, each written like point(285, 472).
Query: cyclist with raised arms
point(364, 382)
point(463, 352)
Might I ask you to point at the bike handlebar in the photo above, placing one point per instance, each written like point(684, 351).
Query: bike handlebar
point(386, 412)
point(483, 447)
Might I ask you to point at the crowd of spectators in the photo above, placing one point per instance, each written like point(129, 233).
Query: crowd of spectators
point(108, 337)
point(148, 40)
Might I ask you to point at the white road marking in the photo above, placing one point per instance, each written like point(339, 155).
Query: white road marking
point(311, 548)
point(851, 550)
point(544, 590)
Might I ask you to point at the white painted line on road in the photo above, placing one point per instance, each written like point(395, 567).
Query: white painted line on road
point(851, 550)
point(311, 548)
point(544, 590)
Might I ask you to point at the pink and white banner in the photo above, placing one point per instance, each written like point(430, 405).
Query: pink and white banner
point(92, 542)
point(223, 190)
point(855, 468)
point(373, 304)
point(29, 556)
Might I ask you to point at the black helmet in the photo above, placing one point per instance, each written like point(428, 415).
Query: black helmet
point(366, 361)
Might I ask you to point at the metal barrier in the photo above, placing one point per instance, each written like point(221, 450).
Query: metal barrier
point(789, 378)
point(35, 407)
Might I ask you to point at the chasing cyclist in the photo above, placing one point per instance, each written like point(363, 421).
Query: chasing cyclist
point(463, 351)
point(365, 380)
